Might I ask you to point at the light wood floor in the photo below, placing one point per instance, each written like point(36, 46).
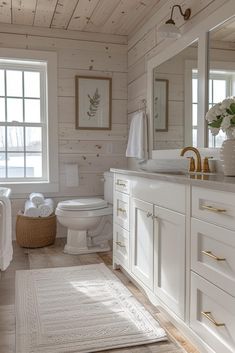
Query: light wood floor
point(53, 256)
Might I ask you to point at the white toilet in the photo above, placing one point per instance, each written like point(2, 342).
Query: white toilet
point(82, 216)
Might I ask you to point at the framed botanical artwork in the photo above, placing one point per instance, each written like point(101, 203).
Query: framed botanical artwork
point(93, 96)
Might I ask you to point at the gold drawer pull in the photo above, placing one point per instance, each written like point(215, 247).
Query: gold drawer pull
point(120, 184)
point(208, 315)
point(120, 244)
point(210, 254)
point(121, 210)
point(214, 209)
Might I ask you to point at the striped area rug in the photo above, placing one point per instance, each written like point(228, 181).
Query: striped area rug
point(79, 309)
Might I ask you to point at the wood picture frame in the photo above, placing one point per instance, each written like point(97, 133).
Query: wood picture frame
point(160, 104)
point(93, 103)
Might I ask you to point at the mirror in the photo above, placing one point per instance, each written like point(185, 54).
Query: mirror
point(221, 70)
point(174, 101)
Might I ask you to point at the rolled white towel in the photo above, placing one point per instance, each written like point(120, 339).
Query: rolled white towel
point(37, 198)
point(30, 209)
point(46, 208)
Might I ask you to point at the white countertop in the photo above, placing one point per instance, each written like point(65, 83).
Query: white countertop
point(212, 181)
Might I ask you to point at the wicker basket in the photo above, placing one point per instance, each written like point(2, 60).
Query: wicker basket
point(34, 232)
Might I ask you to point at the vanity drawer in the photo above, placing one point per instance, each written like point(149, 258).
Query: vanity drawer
point(212, 315)
point(121, 246)
point(212, 254)
point(122, 184)
point(121, 209)
point(214, 206)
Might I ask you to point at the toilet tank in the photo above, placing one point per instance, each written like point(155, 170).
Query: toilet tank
point(108, 187)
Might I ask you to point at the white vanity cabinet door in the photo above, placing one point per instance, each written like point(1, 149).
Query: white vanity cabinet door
point(141, 227)
point(169, 258)
point(212, 315)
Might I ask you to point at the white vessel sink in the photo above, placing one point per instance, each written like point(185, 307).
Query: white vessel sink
point(6, 250)
point(168, 166)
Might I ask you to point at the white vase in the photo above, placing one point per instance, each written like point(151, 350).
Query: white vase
point(227, 155)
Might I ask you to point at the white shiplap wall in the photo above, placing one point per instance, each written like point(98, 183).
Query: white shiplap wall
point(145, 43)
point(93, 151)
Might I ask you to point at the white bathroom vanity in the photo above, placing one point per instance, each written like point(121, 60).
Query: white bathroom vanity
point(174, 235)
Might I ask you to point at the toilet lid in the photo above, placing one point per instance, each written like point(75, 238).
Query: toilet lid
point(83, 204)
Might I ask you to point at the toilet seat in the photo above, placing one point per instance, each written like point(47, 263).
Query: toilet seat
point(85, 213)
point(83, 204)
point(84, 207)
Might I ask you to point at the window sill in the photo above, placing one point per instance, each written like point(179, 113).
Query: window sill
point(22, 189)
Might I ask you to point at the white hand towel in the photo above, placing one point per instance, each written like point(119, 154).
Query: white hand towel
point(37, 198)
point(136, 146)
point(46, 208)
point(30, 209)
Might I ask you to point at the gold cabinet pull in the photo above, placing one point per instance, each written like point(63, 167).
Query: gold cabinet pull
point(214, 209)
point(209, 317)
point(121, 210)
point(120, 244)
point(210, 254)
point(120, 183)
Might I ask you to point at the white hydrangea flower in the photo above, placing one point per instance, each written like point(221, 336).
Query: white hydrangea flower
point(227, 102)
point(214, 112)
point(226, 123)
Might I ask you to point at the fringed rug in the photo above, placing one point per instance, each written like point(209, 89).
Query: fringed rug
point(79, 309)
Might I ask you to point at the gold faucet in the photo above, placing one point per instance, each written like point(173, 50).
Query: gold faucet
point(195, 150)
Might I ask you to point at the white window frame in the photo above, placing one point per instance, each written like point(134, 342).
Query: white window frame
point(49, 181)
point(189, 66)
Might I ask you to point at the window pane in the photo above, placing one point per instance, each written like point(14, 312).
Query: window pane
point(211, 140)
point(2, 83)
point(194, 88)
point(2, 138)
point(32, 110)
point(32, 84)
point(210, 92)
point(195, 137)
point(220, 139)
point(15, 165)
point(33, 136)
point(219, 88)
point(2, 165)
point(34, 165)
point(2, 109)
point(15, 138)
point(194, 114)
point(14, 109)
point(14, 83)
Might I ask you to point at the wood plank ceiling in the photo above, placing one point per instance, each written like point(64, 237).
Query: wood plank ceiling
point(103, 16)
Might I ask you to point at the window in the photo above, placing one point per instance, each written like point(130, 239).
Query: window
point(28, 120)
point(23, 121)
point(220, 87)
